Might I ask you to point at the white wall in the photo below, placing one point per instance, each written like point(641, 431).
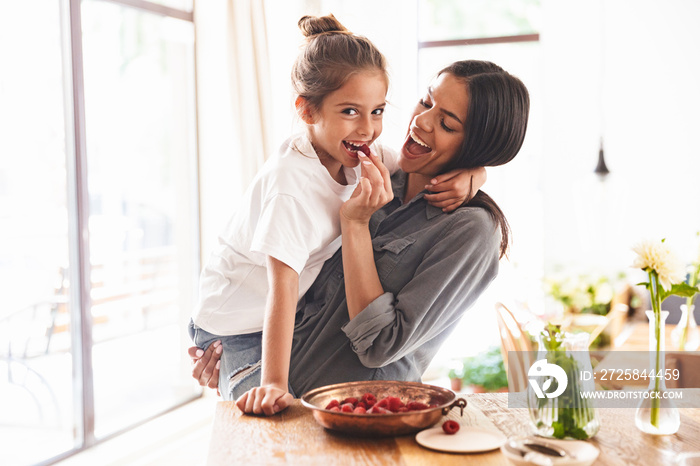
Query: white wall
point(628, 70)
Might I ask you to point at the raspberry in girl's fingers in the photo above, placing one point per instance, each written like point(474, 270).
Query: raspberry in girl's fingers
point(364, 148)
point(450, 427)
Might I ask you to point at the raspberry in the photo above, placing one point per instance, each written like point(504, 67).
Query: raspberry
point(365, 149)
point(368, 403)
point(450, 427)
point(369, 397)
point(378, 410)
point(383, 403)
point(416, 406)
point(332, 404)
point(394, 403)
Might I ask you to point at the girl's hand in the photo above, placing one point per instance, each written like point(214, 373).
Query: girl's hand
point(373, 191)
point(206, 365)
point(268, 400)
point(454, 188)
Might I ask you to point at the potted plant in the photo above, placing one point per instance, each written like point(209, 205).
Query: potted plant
point(485, 372)
point(455, 374)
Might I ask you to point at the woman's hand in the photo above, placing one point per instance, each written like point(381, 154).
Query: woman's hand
point(268, 400)
point(373, 191)
point(454, 188)
point(206, 365)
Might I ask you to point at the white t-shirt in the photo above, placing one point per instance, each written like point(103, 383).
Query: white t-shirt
point(290, 212)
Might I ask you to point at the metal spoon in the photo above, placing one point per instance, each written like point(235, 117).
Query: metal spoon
point(546, 449)
point(531, 457)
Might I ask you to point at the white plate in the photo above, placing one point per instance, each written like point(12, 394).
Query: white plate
point(582, 453)
point(466, 440)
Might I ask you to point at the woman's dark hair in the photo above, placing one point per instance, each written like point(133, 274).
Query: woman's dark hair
point(497, 113)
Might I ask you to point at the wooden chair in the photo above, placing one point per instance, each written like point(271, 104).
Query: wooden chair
point(516, 348)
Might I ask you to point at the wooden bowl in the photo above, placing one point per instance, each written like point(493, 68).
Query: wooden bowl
point(381, 425)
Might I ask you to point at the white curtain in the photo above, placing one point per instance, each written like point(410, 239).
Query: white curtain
point(249, 74)
point(233, 87)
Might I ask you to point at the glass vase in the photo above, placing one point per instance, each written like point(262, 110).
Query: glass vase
point(566, 415)
point(686, 335)
point(656, 414)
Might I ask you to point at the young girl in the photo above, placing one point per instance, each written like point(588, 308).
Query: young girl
point(288, 223)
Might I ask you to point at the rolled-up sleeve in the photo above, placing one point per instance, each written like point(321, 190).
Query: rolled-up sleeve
point(446, 277)
point(364, 328)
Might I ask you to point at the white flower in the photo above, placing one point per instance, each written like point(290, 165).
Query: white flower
point(656, 255)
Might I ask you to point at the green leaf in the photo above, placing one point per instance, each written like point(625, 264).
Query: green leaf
point(685, 290)
point(578, 434)
point(680, 289)
point(558, 430)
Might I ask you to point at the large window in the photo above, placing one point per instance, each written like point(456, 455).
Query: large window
point(98, 205)
point(35, 363)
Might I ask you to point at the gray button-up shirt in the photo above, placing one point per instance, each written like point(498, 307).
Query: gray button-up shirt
point(433, 267)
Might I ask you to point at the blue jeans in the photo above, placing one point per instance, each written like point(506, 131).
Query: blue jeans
point(240, 360)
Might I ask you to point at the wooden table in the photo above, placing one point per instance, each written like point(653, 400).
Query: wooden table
point(294, 437)
point(635, 337)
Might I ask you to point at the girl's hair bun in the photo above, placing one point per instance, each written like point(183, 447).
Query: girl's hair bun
point(314, 25)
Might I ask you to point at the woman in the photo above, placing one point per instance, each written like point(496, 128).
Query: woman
point(406, 273)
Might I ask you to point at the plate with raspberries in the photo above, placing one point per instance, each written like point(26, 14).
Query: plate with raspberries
point(380, 408)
